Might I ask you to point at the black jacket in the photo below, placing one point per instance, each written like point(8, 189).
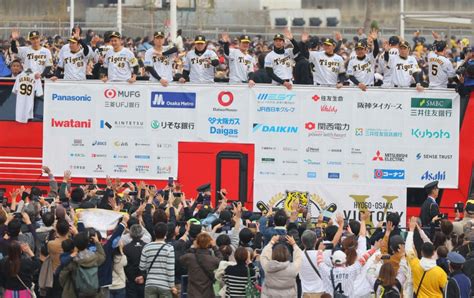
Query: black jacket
point(133, 251)
point(429, 209)
point(28, 267)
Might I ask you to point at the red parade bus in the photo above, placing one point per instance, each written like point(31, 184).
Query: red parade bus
point(224, 165)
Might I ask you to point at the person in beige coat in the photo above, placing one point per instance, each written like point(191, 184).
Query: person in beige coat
point(280, 273)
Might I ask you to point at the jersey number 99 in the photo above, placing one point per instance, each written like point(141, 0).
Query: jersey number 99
point(26, 89)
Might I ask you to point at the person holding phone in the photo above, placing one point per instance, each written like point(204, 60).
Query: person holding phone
point(458, 226)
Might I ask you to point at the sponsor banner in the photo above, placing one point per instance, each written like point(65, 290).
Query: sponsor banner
point(347, 200)
point(307, 134)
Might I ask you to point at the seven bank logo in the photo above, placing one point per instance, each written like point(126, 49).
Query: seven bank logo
point(430, 134)
point(432, 176)
point(274, 128)
point(60, 97)
point(176, 100)
point(389, 174)
point(71, 123)
point(113, 93)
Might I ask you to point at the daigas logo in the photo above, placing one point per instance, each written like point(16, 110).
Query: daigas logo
point(110, 93)
point(225, 98)
point(71, 123)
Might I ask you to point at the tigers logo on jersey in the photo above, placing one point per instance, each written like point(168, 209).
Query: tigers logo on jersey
point(161, 59)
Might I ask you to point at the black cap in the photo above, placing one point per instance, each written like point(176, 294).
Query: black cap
point(279, 36)
point(204, 187)
point(313, 42)
point(430, 186)
point(470, 207)
point(395, 242)
point(159, 34)
point(115, 34)
point(329, 42)
point(361, 45)
point(440, 45)
point(225, 216)
point(200, 39)
point(244, 38)
point(393, 40)
point(33, 34)
point(404, 44)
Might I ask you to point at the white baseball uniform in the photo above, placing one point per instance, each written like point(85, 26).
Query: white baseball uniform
point(25, 88)
point(325, 69)
point(240, 65)
point(282, 64)
point(120, 64)
point(163, 65)
point(200, 67)
point(36, 60)
point(440, 69)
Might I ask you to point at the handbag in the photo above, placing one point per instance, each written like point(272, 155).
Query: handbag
point(251, 290)
point(31, 291)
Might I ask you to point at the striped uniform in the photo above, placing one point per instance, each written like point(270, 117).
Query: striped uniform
point(161, 274)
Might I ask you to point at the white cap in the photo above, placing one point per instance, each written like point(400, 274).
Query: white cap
point(338, 257)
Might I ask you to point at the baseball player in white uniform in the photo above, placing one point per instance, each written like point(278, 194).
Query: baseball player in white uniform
point(73, 61)
point(34, 57)
point(361, 69)
point(327, 67)
point(159, 60)
point(383, 68)
point(440, 69)
point(405, 69)
point(200, 64)
point(120, 62)
point(279, 62)
point(241, 63)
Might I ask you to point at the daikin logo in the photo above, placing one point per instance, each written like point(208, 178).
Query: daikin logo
point(274, 128)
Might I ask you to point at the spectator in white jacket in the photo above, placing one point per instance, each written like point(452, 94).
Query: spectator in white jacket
point(117, 289)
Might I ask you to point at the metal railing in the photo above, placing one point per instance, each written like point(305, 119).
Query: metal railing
point(214, 30)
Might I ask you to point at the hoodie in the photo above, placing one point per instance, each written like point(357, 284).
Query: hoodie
point(435, 278)
point(280, 277)
point(85, 258)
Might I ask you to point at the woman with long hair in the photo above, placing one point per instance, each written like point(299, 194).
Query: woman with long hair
point(17, 270)
point(387, 282)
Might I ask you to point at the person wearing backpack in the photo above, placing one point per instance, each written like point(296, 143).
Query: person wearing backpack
point(459, 284)
point(387, 285)
point(79, 278)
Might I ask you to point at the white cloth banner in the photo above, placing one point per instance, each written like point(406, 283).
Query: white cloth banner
point(347, 200)
point(100, 219)
point(309, 134)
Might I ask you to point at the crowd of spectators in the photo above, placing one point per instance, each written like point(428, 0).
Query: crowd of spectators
point(167, 244)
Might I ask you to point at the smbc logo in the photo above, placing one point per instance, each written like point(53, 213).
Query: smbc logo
point(155, 124)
